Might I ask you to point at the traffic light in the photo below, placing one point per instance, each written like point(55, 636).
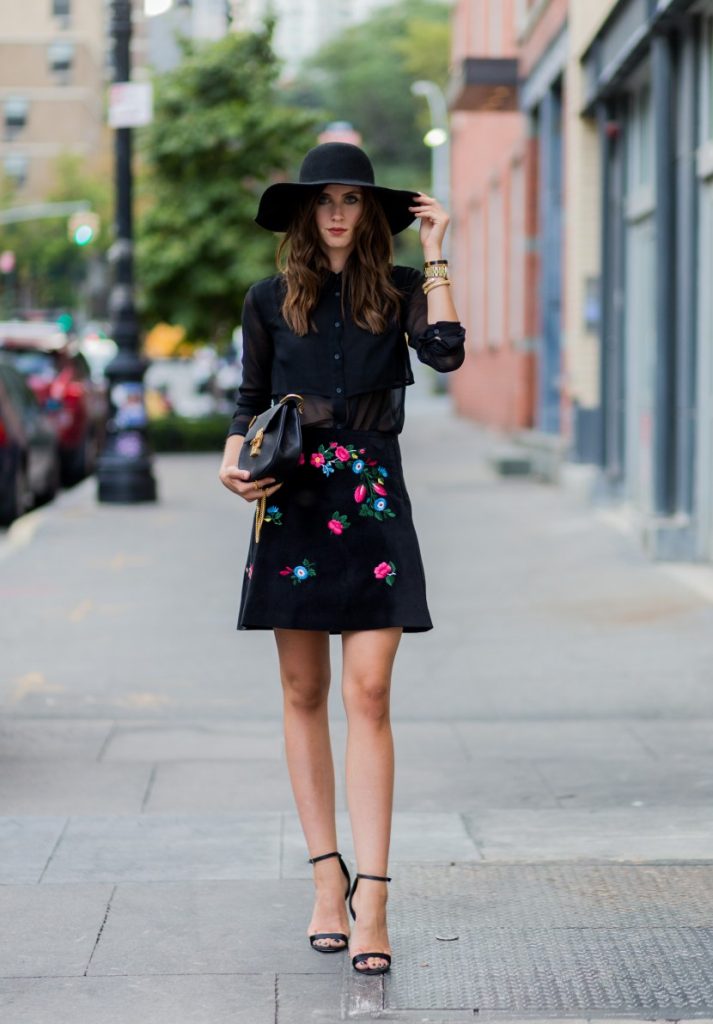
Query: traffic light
point(83, 227)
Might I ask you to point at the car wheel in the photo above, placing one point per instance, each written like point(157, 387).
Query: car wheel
point(18, 501)
point(78, 462)
point(53, 481)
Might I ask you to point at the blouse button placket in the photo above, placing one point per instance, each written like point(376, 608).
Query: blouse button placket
point(339, 411)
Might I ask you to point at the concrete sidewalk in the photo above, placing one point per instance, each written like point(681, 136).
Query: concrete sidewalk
point(554, 738)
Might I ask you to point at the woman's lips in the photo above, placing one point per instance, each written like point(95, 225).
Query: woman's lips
point(336, 231)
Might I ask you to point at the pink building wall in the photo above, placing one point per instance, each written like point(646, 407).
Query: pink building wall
point(494, 209)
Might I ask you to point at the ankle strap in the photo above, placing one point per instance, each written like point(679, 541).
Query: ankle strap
point(323, 856)
point(375, 878)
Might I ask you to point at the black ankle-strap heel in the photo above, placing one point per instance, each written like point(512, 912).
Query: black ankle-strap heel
point(340, 936)
point(361, 957)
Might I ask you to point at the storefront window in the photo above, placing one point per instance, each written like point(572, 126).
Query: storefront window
point(640, 138)
point(708, 80)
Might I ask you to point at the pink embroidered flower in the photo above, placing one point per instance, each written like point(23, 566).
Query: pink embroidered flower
point(317, 459)
point(335, 526)
point(360, 493)
point(382, 570)
point(342, 454)
point(333, 444)
point(371, 462)
point(287, 571)
point(379, 489)
point(362, 451)
point(301, 460)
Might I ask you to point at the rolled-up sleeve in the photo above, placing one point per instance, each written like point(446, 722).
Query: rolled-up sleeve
point(440, 344)
point(254, 393)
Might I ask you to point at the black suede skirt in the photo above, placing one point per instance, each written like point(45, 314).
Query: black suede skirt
point(338, 549)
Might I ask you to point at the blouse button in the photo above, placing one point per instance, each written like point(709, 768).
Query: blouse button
point(337, 323)
point(336, 295)
point(337, 356)
point(339, 391)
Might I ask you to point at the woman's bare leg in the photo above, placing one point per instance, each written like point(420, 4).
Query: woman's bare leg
point(305, 675)
point(368, 657)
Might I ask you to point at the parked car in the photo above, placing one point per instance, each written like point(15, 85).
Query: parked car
point(60, 377)
point(29, 450)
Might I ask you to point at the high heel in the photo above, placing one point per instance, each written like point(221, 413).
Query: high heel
point(361, 957)
point(332, 935)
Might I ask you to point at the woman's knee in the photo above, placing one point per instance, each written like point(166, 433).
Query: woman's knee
point(304, 688)
point(368, 695)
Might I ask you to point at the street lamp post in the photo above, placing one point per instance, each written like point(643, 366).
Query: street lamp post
point(437, 139)
point(124, 471)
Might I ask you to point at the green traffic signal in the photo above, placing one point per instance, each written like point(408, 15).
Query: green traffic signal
point(83, 235)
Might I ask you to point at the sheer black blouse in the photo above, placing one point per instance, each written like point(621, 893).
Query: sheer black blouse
point(349, 377)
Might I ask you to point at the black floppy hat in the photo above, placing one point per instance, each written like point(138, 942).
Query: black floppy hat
point(329, 163)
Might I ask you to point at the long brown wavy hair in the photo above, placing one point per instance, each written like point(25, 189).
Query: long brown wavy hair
point(366, 275)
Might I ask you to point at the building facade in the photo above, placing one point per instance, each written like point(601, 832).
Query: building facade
point(648, 87)
point(601, 322)
point(507, 98)
point(53, 59)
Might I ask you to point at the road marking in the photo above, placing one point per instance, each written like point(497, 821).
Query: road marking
point(81, 611)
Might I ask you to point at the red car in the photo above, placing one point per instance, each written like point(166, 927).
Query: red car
point(58, 374)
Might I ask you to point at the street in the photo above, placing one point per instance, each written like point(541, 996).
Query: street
point(552, 850)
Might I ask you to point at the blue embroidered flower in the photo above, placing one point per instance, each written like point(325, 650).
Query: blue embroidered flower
point(273, 508)
point(382, 472)
point(380, 504)
point(327, 469)
point(358, 466)
point(300, 572)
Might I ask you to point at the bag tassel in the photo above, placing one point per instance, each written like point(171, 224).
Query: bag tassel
point(260, 508)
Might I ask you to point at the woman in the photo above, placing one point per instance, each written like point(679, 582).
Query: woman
point(338, 552)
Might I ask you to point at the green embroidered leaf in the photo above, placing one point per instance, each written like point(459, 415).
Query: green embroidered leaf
point(390, 580)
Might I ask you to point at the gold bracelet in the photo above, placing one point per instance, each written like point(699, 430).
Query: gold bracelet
point(436, 270)
point(430, 285)
point(434, 283)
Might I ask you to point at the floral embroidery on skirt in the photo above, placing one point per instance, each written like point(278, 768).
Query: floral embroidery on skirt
point(349, 569)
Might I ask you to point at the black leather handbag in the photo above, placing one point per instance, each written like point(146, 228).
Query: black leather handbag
point(272, 446)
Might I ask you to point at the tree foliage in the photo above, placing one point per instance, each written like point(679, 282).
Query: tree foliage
point(364, 76)
point(50, 268)
point(221, 132)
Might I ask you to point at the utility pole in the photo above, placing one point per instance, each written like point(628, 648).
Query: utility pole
point(124, 470)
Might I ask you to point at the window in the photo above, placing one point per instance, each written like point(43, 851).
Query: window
point(62, 9)
point(15, 109)
point(16, 167)
point(517, 251)
point(496, 295)
point(61, 58)
point(707, 104)
point(476, 264)
point(640, 138)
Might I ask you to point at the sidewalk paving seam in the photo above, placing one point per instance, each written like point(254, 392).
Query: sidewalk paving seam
point(149, 786)
point(101, 929)
point(111, 733)
point(54, 849)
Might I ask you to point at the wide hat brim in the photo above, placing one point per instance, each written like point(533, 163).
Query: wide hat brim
point(279, 202)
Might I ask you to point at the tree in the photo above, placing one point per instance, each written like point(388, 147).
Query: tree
point(364, 76)
point(221, 132)
point(50, 267)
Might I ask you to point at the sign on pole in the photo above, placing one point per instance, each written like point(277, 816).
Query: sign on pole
point(130, 104)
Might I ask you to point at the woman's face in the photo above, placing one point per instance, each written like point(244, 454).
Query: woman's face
point(338, 209)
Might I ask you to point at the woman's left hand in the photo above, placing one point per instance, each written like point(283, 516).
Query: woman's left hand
point(434, 220)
